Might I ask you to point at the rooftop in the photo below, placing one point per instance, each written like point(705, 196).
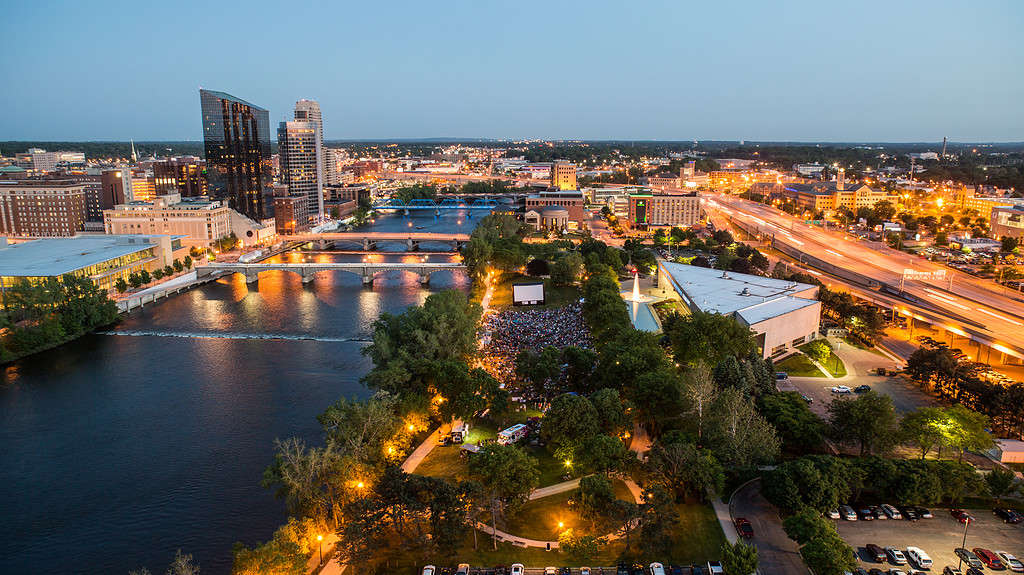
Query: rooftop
point(753, 298)
point(59, 256)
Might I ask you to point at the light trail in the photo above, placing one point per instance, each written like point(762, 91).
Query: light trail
point(997, 316)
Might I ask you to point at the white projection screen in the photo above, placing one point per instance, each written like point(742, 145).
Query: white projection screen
point(528, 294)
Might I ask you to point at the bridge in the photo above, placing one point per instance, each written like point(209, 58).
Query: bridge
point(369, 240)
point(449, 203)
point(366, 270)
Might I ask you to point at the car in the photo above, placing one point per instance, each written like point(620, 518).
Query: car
point(974, 571)
point(877, 512)
point(637, 569)
point(841, 389)
point(896, 557)
point(989, 558)
point(923, 512)
point(918, 558)
point(565, 571)
point(807, 398)
point(865, 514)
point(910, 514)
point(1011, 562)
point(833, 514)
point(518, 569)
point(848, 513)
point(894, 571)
point(744, 528)
point(875, 552)
point(550, 571)
point(862, 389)
point(961, 515)
point(876, 571)
point(891, 511)
point(428, 570)
point(463, 569)
point(715, 568)
point(584, 570)
point(657, 569)
point(860, 571)
point(622, 569)
point(781, 375)
point(1008, 515)
point(952, 571)
point(970, 558)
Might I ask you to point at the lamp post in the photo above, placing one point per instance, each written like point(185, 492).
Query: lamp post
point(320, 543)
point(963, 545)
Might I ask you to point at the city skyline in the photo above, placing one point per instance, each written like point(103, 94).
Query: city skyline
point(801, 72)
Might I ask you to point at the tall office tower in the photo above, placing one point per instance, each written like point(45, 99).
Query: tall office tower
point(563, 175)
point(185, 175)
point(301, 160)
point(334, 159)
point(309, 111)
point(237, 142)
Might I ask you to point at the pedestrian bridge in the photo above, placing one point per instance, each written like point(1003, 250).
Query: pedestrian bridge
point(450, 203)
point(366, 270)
point(369, 240)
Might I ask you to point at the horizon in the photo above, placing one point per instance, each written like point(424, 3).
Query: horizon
point(798, 73)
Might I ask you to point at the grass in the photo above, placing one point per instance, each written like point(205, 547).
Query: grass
point(699, 535)
point(539, 519)
point(798, 365)
point(555, 296)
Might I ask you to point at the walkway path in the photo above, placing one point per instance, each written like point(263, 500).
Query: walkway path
point(421, 452)
point(555, 489)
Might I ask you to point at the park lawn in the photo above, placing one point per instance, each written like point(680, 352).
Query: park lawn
point(539, 518)
point(698, 535)
point(834, 365)
point(555, 296)
point(798, 365)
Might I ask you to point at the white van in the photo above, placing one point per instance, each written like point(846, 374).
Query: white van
point(919, 558)
point(657, 569)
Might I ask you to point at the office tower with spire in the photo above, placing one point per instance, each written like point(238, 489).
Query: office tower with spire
point(236, 135)
point(301, 152)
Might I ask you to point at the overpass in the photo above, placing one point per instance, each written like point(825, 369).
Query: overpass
point(366, 270)
point(369, 240)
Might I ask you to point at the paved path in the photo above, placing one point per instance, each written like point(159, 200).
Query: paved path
point(641, 442)
point(776, 553)
point(416, 457)
point(555, 489)
point(722, 512)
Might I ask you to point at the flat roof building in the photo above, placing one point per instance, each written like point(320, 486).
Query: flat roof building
point(42, 208)
point(236, 136)
point(782, 313)
point(572, 201)
point(563, 175)
point(646, 209)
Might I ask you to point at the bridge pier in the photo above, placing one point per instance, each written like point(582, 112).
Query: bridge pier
point(308, 275)
point(369, 244)
point(322, 244)
point(367, 279)
point(251, 277)
point(424, 279)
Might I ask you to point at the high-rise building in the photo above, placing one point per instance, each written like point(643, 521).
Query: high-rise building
point(334, 162)
point(301, 164)
point(309, 111)
point(42, 208)
point(185, 175)
point(563, 175)
point(237, 143)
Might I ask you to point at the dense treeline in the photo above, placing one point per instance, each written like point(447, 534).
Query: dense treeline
point(37, 316)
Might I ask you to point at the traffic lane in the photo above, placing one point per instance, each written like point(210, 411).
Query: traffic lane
point(905, 396)
point(776, 553)
point(937, 536)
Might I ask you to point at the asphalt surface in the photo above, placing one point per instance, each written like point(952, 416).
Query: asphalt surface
point(776, 553)
point(937, 536)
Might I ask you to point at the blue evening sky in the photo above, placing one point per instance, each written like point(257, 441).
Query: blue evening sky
point(675, 70)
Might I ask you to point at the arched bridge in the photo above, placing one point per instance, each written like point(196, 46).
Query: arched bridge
point(369, 240)
point(307, 271)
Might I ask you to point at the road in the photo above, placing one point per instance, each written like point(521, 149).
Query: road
point(776, 553)
point(970, 305)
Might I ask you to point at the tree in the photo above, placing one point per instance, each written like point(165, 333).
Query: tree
point(819, 350)
point(187, 262)
point(800, 429)
point(923, 427)
point(158, 274)
point(829, 555)
point(285, 554)
point(596, 498)
point(683, 468)
point(183, 565)
point(603, 453)
point(507, 471)
point(120, 285)
point(168, 271)
point(178, 266)
point(1009, 243)
point(700, 391)
point(1000, 483)
point(567, 269)
point(135, 280)
point(538, 267)
point(580, 547)
point(658, 518)
point(870, 421)
point(144, 277)
point(611, 410)
point(570, 420)
point(806, 524)
point(739, 558)
point(819, 482)
point(707, 337)
point(738, 435)
point(968, 430)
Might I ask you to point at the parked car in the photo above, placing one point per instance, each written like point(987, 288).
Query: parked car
point(877, 512)
point(744, 528)
point(463, 569)
point(875, 552)
point(970, 558)
point(951, 571)
point(961, 515)
point(910, 514)
point(1008, 515)
point(518, 569)
point(860, 571)
point(832, 514)
point(876, 571)
point(657, 569)
point(891, 511)
point(428, 570)
point(918, 558)
point(896, 556)
point(715, 568)
point(862, 389)
point(923, 512)
point(1011, 562)
point(842, 389)
point(848, 513)
point(781, 375)
point(550, 571)
point(584, 570)
point(989, 558)
point(622, 569)
point(807, 398)
point(865, 514)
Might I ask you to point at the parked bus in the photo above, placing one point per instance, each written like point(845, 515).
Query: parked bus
point(513, 434)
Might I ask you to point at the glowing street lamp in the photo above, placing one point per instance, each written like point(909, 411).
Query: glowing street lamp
point(320, 543)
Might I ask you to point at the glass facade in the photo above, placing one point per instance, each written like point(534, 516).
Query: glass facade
point(237, 143)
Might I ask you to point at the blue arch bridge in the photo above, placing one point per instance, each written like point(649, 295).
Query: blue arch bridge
point(456, 203)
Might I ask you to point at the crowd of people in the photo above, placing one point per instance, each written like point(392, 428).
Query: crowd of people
point(509, 331)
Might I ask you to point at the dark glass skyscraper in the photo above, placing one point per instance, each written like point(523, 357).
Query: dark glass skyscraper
point(237, 140)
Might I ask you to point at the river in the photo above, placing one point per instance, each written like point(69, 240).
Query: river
point(120, 448)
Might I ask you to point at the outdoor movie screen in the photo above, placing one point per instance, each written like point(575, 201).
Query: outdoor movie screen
point(528, 293)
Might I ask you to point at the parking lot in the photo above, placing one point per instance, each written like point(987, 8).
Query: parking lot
point(905, 396)
point(937, 536)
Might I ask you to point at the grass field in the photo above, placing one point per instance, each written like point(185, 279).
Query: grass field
point(798, 365)
point(555, 296)
point(539, 519)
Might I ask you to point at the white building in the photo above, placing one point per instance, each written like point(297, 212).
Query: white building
point(783, 314)
point(302, 164)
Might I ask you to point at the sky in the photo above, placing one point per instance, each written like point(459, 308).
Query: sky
point(864, 71)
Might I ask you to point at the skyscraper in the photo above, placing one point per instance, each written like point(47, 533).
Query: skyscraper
point(237, 141)
point(301, 150)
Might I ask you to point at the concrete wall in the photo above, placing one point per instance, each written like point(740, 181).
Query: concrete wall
point(782, 330)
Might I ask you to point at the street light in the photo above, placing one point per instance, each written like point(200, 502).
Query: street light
point(320, 543)
point(963, 545)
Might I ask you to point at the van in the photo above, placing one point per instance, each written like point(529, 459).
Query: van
point(919, 558)
point(459, 432)
point(848, 513)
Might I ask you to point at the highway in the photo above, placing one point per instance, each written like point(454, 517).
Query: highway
point(960, 303)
